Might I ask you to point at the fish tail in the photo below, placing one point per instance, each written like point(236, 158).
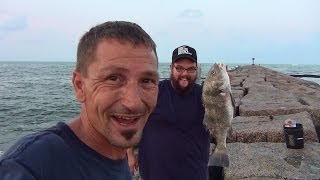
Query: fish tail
point(219, 159)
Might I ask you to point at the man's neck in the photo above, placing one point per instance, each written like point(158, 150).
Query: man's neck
point(88, 135)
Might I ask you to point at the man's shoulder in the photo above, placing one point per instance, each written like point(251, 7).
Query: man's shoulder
point(38, 152)
point(198, 86)
point(34, 145)
point(164, 85)
point(164, 82)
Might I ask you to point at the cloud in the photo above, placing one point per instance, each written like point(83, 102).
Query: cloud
point(10, 23)
point(191, 13)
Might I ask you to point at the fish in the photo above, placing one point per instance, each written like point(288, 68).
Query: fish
point(219, 108)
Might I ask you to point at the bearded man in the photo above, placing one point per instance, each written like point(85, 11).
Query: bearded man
point(175, 143)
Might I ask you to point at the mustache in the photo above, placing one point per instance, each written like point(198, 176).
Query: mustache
point(185, 76)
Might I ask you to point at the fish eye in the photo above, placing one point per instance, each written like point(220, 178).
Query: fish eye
point(213, 72)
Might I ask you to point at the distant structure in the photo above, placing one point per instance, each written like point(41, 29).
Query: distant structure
point(252, 61)
point(199, 78)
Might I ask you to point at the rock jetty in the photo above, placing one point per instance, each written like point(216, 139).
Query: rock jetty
point(264, 100)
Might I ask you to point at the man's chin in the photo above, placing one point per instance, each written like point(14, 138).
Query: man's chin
point(184, 84)
point(130, 142)
point(184, 88)
point(126, 144)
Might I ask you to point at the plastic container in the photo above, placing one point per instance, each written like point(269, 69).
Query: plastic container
point(290, 123)
point(294, 136)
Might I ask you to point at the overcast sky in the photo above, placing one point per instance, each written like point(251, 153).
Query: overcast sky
point(230, 31)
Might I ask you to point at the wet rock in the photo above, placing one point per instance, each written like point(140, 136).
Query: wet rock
point(266, 129)
point(273, 161)
point(265, 99)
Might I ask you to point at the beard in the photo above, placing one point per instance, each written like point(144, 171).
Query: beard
point(128, 134)
point(178, 87)
point(124, 138)
point(127, 138)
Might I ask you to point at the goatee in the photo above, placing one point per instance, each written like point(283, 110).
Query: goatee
point(128, 134)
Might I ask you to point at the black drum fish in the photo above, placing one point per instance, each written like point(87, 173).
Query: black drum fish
point(219, 111)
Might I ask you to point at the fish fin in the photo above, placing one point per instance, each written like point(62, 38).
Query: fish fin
point(233, 104)
point(219, 159)
point(215, 172)
point(213, 138)
point(229, 135)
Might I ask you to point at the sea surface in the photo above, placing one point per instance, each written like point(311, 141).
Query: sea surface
point(36, 95)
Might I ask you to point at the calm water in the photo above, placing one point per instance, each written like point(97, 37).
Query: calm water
point(36, 95)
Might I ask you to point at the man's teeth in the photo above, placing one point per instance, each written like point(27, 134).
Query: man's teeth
point(123, 124)
point(126, 120)
point(126, 117)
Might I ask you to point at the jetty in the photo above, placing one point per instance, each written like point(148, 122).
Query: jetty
point(264, 100)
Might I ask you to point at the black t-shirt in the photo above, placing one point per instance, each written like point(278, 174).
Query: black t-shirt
point(57, 153)
point(175, 143)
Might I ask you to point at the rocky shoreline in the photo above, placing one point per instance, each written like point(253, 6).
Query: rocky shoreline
point(265, 99)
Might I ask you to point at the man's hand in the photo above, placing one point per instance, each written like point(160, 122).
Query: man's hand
point(132, 160)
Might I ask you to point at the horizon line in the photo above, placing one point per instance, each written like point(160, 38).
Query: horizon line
point(242, 63)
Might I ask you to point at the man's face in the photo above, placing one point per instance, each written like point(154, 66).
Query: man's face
point(120, 91)
point(183, 75)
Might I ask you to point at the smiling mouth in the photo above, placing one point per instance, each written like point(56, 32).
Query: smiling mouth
point(184, 78)
point(126, 120)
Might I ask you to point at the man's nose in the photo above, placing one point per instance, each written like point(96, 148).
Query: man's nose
point(185, 72)
point(132, 97)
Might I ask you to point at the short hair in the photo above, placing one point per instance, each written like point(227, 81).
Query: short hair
point(122, 31)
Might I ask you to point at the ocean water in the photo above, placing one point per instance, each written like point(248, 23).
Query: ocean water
point(36, 95)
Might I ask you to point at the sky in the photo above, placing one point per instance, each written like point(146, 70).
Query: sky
point(229, 31)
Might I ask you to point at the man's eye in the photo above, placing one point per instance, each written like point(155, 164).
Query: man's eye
point(148, 81)
point(191, 69)
point(113, 78)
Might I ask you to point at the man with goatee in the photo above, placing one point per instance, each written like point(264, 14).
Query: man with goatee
point(116, 82)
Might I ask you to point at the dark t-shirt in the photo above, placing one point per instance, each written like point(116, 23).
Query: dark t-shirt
point(57, 153)
point(175, 143)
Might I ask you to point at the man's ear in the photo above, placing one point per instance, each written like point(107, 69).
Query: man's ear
point(78, 86)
